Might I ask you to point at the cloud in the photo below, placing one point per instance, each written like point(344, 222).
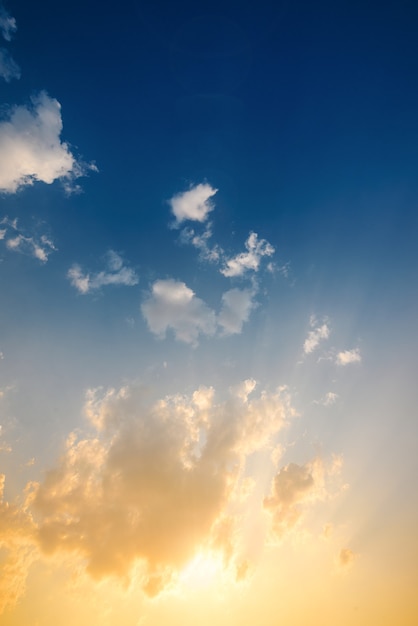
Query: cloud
point(152, 482)
point(39, 247)
point(315, 336)
point(207, 253)
point(114, 274)
point(250, 260)
point(31, 149)
point(294, 486)
point(9, 69)
point(8, 24)
point(346, 558)
point(236, 308)
point(193, 204)
point(329, 399)
point(172, 304)
point(348, 356)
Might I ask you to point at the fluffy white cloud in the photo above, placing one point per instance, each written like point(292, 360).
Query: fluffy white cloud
point(8, 24)
point(194, 204)
point(207, 252)
point(315, 336)
point(114, 274)
point(31, 149)
point(9, 69)
point(348, 356)
point(236, 308)
point(172, 304)
point(250, 260)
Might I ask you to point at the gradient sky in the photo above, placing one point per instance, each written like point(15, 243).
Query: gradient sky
point(208, 328)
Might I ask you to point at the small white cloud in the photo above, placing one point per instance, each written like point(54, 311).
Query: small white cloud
point(250, 260)
point(194, 204)
point(172, 304)
point(329, 399)
point(36, 246)
point(315, 336)
point(236, 308)
point(8, 24)
point(114, 274)
point(9, 69)
point(31, 149)
point(348, 356)
point(200, 242)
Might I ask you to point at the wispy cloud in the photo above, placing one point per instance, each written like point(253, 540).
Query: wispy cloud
point(250, 260)
point(8, 24)
point(31, 149)
point(194, 204)
point(9, 69)
point(348, 356)
point(116, 273)
point(319, 332)
point(18, 240)
point(172, 304)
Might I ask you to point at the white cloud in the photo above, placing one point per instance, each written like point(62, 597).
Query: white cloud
point(193, 204)
point(348, 356)
point(236, 308)
point(330, 398)
point(250, 260)
point(114, 274)
point(36, 246)
point(174, 305)
point(31, 149)
point(8, 24)
point(315, 336)
point(9, 69)
point(207, 252)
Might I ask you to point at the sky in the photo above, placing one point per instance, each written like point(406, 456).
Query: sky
point(208, 321)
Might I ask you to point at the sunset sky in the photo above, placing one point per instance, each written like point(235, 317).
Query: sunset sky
point(209, 320)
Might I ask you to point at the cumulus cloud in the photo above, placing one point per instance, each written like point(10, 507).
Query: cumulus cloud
point(152, 482)
point(293, 487)
point(172, 304)
point(16, 240)
point(319, 332)
point(201, 241)
point(329, 399)
point(9, 69)
point(31, 149)
point(194, 204)
point(236, 308)
point(8, 24)
point(250, 260)
point(348, 356)
point(116, 273)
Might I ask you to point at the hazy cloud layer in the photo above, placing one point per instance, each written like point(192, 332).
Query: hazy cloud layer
point(31, 149)
point(116, 273)
point(194, 204)
point(9, 69)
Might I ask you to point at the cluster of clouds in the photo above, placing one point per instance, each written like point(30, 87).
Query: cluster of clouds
point(172, 305)
point(150, 484)
point(320, 331)
point(17, 240)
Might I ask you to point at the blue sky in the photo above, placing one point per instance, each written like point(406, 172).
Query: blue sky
point(208, 224)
